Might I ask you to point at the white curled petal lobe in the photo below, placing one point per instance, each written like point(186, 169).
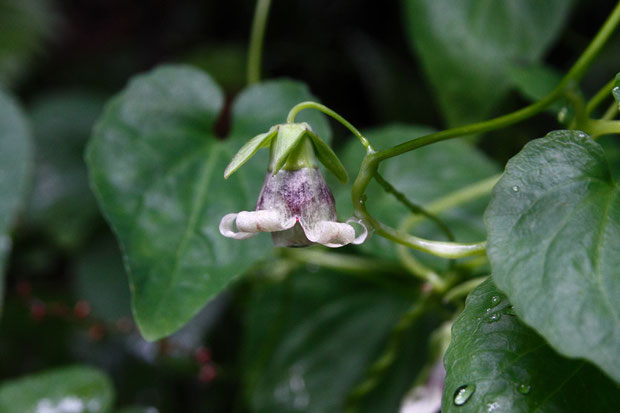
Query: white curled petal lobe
point(331, 234)
point(263, 221)
point(227, 228)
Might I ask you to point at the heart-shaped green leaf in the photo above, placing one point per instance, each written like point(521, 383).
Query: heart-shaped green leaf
point(69, 389)
point(157, 167)
point(15, 165)
point(554, 243)
point(467, 47)
point(496, 363)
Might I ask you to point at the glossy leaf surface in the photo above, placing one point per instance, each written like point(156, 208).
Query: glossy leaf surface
point(554, 237)
point(496, 363)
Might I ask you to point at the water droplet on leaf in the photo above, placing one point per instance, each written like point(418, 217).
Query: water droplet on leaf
point(496, 300)
point(524, 388)
point(494, 317)
point(515, 188)
point(463, 393)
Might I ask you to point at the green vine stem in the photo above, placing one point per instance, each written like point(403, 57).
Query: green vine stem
point(439, 248)
point(424, 273)
point(341, 262)
point(574, 75)
point(314, 105)
point(598, 127)
point(600, 96)
point(434, 208)
point(384, 274)
point(611, 112)
point(575, 98)
point(415, 209)
point(453, 199)
point(371, 161)
point(255, 50)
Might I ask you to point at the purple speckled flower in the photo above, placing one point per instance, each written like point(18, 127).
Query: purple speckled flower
point(295, 204)
point(298, 209)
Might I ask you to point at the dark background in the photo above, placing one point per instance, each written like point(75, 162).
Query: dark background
point(354, 56)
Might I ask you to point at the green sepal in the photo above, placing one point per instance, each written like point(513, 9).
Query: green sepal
point(249, 149)
point(326, 155)
point(289, 138)
point(616, 90)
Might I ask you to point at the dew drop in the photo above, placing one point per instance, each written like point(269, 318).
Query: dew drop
point(524, 388)
point(463, 393)
point(509, 311)
point(515, 188)
point(581, 135)
point(496, 299)
point(494, 317)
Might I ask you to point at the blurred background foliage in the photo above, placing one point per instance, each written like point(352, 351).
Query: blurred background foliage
point(67, 299)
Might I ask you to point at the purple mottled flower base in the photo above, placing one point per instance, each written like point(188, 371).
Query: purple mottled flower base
point(302, 194)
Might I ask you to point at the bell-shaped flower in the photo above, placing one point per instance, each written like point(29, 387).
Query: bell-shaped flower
point(295, 203)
